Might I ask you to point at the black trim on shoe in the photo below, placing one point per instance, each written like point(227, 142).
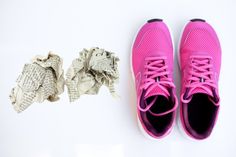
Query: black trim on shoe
point(197, 20)
point(154, 20)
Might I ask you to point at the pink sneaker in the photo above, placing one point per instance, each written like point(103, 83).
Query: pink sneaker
point(200, 60)
point(152, 65)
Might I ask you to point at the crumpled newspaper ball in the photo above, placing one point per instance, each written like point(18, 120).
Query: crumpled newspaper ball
point(40, 80)
point(94, 67)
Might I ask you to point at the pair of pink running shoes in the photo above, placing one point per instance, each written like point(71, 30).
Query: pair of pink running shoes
point(199, 62)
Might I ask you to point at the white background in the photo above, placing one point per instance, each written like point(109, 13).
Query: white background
point(101, 125)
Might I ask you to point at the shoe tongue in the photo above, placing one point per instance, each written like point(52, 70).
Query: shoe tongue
point(200, 90)
point(210, 94)
point(156, 92)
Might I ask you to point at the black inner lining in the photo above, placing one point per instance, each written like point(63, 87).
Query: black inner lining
point(160, 123)
point(201, 113)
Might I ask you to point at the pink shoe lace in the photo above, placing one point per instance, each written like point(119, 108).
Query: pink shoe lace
point(201, 75)
point(156, 74)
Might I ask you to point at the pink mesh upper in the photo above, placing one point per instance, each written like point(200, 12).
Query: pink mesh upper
point(152, 39)
point(200, 38)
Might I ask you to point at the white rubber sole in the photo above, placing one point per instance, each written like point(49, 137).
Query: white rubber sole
point(145, 134)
